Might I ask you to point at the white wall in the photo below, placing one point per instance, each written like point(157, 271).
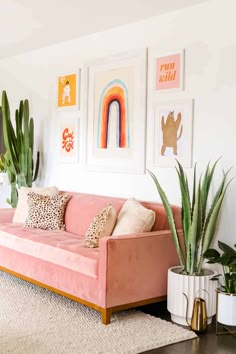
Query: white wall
point(207, 32)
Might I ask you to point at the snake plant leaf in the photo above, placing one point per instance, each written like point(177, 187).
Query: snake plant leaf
point(205, 188)
point(194, 187)
point(207, 179)
point(195, 231)
point(215, 199)
point(211, 226)
point(170, 217)
point(186, 213)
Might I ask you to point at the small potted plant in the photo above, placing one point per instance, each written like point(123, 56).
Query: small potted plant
point(226, 291)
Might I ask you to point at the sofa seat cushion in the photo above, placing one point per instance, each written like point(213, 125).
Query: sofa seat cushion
point(55, 246)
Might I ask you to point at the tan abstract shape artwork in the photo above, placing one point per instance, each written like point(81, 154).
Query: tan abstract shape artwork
point(171, 132)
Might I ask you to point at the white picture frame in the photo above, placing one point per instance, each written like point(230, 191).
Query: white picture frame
point(68, 138)
point(117, 113)
point(166, 70)
point(68, 90)
point(173, 122)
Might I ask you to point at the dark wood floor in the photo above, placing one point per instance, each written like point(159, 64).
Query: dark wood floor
point(207, 343)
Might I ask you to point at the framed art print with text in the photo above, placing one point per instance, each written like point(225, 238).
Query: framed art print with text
point(68, 139)
point(166, 70)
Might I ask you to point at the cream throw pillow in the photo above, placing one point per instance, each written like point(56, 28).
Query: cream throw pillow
point(102, 225)
point(21, 211)
point(134, 217)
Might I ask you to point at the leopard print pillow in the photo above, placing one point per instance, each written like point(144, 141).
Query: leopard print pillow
point(46, 212)
point(102, 225)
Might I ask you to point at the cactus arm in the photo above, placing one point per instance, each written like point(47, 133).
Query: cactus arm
point(36, 167)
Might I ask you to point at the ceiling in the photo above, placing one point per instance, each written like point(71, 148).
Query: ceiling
point(31, 24)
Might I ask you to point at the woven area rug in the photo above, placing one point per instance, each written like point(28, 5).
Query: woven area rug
point(36, 321)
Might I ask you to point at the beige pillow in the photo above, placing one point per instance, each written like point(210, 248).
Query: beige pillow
point(46, 212)
point(102, 225)
point(133, 217)
point(21, 211)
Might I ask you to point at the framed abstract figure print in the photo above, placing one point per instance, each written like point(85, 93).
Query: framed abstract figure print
point(68, 86)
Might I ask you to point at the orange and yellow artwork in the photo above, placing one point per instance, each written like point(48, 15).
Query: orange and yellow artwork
point(68, 140)
point(67, 91)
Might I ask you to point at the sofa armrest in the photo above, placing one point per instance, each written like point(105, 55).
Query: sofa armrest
point(134, 267)
point(6, 215)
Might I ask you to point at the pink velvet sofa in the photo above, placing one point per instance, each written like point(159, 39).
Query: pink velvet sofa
point(125, 271)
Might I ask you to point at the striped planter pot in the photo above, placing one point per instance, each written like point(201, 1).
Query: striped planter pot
point(192, 286)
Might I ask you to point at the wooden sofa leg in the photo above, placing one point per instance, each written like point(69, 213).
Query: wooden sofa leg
point(106, 316)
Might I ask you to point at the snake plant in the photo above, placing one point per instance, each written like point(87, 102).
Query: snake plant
point(19, 143)
point(199, 215)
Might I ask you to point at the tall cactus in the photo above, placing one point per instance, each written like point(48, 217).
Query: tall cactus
point(19, 147)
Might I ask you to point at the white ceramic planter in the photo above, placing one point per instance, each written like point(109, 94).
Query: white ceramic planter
point(192, 286)
point(226, 308)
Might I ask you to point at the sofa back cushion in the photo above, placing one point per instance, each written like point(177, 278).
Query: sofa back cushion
point(82, 208)
point(161, 221)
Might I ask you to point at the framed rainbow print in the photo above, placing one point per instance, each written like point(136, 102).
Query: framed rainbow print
point(68, 86)
point(116, 114)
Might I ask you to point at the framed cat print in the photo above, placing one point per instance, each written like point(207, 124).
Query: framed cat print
point(173, 133)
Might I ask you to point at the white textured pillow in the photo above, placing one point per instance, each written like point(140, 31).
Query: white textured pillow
point(101, 225)
point(134, 217)
point(21, 211)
